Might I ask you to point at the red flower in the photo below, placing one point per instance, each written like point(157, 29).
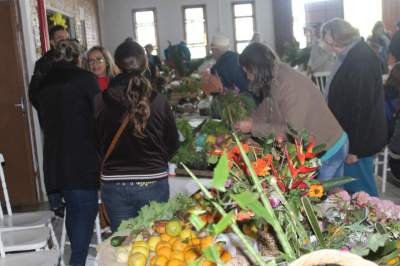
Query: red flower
point(244, 216)
point(281, 185)
point(299, 184)
point(236, 150)
point(309, 150)
point(217, 151)
point(299, 151)
point(304, 169)
point(292, 169)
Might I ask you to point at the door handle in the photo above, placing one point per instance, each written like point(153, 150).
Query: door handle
point(21, 105)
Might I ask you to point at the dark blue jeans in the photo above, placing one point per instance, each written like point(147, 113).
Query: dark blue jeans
point(81, 210)
point(123, 200)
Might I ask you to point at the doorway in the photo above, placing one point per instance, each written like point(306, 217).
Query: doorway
point(15, 142)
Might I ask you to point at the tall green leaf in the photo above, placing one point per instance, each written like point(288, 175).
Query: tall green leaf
point(197, 222)
point(249, 201)
point(336, 182)
point(221, 173)
point(312, 219)
point(223, 223)
point(211, 253)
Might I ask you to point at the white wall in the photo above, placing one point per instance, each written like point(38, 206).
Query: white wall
point(116, 19)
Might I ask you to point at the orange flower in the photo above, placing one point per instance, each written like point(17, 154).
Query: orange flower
point(260, 167)
point(244, 216)
point(236, 150)
point(316, 190)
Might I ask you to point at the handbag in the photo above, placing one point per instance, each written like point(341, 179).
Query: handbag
point(104, 219)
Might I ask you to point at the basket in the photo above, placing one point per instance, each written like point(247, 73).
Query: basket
point(331, 256)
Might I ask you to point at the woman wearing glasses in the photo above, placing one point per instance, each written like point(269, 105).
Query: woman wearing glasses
point(100, 63)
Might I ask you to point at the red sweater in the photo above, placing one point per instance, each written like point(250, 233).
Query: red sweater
point(103, 82)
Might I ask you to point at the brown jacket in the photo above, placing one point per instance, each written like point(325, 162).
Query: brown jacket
point(295, 100)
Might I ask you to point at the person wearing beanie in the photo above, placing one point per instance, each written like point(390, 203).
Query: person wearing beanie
point(135, 172)
point(226, 74)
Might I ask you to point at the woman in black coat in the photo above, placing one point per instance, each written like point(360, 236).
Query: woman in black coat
point(355, 95)
point(70, 159)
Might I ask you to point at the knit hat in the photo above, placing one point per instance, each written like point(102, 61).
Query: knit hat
point(220, 41)
point(130, 57)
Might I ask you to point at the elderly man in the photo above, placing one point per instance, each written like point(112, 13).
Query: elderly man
point(355, 95)
point(226, 73)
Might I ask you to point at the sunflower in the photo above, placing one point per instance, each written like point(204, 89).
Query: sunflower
point(316, 190)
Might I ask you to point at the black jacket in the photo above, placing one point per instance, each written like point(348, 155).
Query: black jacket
point(132, 155)
point(356, 98)
point(42, 68)
point(394, 46)
point(65, 104)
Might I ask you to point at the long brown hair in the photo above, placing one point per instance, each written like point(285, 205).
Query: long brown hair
point(131, 59)
point(394, 78)
point(260, 60)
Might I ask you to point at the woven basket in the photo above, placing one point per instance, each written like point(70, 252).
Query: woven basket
point(331, 256)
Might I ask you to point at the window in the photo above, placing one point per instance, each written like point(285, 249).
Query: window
point(145, 27)
point(195, 30)
point(244, 26)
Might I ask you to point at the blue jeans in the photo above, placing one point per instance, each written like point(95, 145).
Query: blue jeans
point(334, 166)
point(81, 211)
point(123, 200)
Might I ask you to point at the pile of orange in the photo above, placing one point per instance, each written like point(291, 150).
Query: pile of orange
point(176, 246)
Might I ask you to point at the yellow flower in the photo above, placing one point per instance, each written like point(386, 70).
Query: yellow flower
point(393, 261)
point(316, 190)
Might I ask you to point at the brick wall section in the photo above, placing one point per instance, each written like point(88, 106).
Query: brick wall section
point(73, 8)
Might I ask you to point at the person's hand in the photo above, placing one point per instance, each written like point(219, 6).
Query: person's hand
point(211, 83)
point(351, 158)
point(244, 126)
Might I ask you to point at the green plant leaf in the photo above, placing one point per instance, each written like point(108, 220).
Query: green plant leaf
point(375, 241)
point(223, 223)
point(335, 182)
point(360, 251)
point(221, 173)
point(197, 222)
point(249, 201)
point(211, 253)
point(312, 219)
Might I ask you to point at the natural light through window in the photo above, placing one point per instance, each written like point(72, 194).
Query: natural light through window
point(195, 31)
point(243, 20)
point(145, 28)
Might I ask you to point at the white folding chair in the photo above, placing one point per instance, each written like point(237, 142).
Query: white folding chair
point(319, 79)
point(36, 258)
point(25, 220)
point(382, 158)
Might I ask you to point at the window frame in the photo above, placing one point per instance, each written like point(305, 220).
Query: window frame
point(135, 10)
point(233, 4)
point(205, 24)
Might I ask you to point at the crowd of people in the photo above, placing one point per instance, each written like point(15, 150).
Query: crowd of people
point(105, 127)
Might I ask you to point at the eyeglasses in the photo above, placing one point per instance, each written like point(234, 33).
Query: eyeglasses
point(96, 60)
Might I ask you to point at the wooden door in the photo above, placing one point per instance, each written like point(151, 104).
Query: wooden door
point(14, 127)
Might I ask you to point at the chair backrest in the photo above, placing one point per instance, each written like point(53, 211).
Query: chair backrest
point(319, 78)
point(5, 190)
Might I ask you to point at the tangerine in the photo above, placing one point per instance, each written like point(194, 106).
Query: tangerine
point(164, 251)
point(160, 261)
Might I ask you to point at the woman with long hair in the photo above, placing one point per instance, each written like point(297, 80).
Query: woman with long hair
point(70, 159)
point(100, 62)
point(287, 96)
point(135, 172)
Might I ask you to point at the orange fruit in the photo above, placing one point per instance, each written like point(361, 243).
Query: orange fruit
point(164, 251)
point(165, 237)
point(187, 234)
point(206, 242)
point(160, 261)
point(190, 255)
point(177, 255)
point(173, 228)
point(176, 262)
point(159, 227)
point(179, 246)
point(226, 256)
point(194, 242)
point(205, 262)
point(163, 244)
point(172, 240)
